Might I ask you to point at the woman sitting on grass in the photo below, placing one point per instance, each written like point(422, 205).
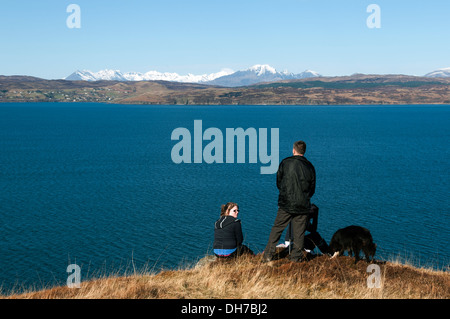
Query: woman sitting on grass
point(228, 233)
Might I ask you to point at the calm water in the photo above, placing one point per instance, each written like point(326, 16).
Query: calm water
point(95, 184)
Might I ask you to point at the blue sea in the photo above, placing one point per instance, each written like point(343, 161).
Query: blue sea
point(95, 184)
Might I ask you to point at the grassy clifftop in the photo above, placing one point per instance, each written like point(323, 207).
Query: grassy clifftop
point(248, 278)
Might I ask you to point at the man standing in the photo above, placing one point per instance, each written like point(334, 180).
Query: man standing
point(296, 182)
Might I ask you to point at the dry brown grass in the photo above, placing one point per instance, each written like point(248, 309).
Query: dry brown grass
point(248, 278)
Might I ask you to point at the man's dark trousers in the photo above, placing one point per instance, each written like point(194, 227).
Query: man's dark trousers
point(298, 222)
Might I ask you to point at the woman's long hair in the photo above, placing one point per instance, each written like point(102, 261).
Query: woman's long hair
point(225, 209)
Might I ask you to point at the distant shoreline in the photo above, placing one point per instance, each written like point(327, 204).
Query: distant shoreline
point(350, 90)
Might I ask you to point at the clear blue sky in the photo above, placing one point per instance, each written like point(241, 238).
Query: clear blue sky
point(205, 36)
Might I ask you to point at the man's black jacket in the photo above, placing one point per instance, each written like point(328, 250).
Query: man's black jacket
point(296, 181)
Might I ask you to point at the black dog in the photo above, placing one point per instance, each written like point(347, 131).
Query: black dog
point(353, 239)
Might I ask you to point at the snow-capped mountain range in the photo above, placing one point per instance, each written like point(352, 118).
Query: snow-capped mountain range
point(440, 73)
point(116, 75)
point(259, 73)
point(226, 77)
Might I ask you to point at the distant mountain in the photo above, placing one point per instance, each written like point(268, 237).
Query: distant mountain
point(440, 73)
point(87, 75)
point(255, 74)
point(115, 75)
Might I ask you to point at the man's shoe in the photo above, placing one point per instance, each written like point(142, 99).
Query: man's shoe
point(305, 256)
point(298, 260)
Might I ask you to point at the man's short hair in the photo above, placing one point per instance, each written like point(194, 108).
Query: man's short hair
point(300, 147)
